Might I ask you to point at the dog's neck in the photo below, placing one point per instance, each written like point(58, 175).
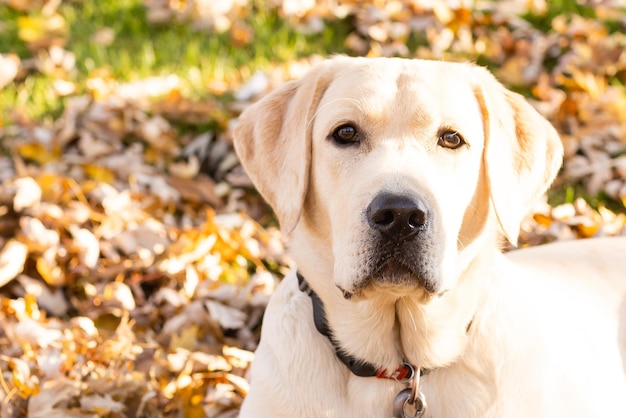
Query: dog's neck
point(385, 330)
point(358, 367)
point(435, 334)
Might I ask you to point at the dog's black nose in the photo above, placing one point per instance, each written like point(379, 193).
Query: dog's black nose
point(397, 216)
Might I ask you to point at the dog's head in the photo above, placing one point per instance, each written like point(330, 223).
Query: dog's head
point(394, 170)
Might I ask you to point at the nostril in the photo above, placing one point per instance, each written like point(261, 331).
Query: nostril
point(417, 218)
point(382, 217)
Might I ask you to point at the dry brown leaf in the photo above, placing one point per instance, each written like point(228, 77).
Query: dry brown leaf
point(33, 333)
point(187, 338)
point(227, 317)
point(52, 393)
point(102, 405)
point(199, 190)
point(51, 300)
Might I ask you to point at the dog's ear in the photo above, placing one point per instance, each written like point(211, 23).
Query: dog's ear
point(273, 141)
point(523, 152)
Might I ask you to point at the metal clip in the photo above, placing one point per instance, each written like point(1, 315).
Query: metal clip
point(412, 397)
point(403, 401)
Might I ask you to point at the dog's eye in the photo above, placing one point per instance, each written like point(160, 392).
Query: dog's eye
point(345, 135)
point(450, 140)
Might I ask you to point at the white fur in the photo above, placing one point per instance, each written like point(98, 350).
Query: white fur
point(535, 333)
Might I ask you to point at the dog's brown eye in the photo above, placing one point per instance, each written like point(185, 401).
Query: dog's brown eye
point(450, 140)
point(345, 135)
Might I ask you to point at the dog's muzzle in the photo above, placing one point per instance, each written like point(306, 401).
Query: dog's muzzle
point(401, 246)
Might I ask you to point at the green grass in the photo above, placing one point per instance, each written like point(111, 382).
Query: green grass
point(140, 49)
point(568, 193)
point(556, 8)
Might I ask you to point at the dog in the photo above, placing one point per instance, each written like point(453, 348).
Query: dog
point(396, 182)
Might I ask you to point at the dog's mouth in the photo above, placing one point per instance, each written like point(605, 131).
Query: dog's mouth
point(394, 270)
point(396, 274)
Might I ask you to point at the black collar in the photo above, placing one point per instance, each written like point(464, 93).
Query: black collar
point(359, 367)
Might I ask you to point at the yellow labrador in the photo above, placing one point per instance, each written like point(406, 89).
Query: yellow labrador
point(395, 180)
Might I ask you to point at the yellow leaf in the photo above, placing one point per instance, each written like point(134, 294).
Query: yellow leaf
point(47, 182)
point(191, 398)
point(36, 152)
point(587, 229)
point(30, 306)
point(52, 274)
point(99, 173)
point(25, 383)
point(542, 219)
point(31, 28)
point(38, 28)
point(188, 338)
point(56, 188)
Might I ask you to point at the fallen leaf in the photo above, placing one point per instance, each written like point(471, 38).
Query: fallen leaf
point(227, 317)
point(28, 193)
point(36, 152)
point(186, 339)
point(50, 300)
point(87, 246)
point(52, 393)
point(101, 404)
point(26, 383)
point(99, 173)
point(12, 259)
point(42, 31)
point(9, 66)
point(29, 331)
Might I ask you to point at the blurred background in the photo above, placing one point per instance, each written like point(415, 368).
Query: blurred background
point(136, 259)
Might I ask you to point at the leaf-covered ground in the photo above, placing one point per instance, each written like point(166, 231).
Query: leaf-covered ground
point(135, 257)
